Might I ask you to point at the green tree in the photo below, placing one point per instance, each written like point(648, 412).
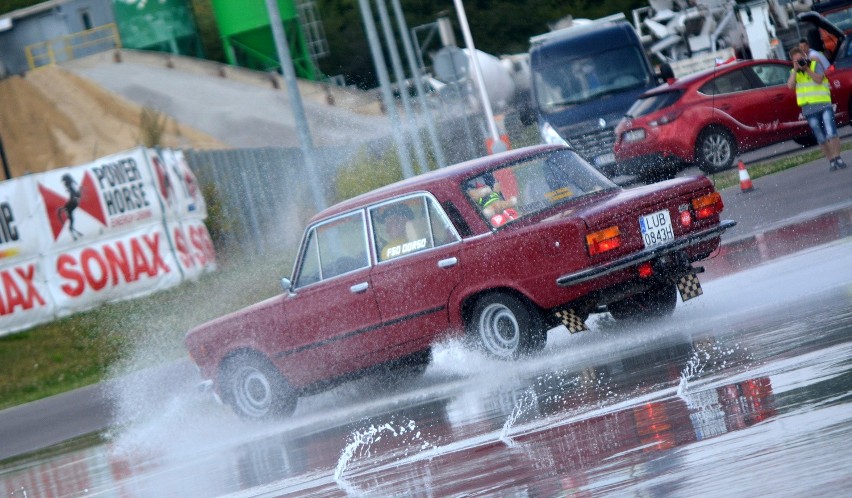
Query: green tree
point(498, 27)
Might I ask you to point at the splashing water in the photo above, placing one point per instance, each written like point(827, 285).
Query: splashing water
point(525, 402)
point(693, 369)
point(360, 443)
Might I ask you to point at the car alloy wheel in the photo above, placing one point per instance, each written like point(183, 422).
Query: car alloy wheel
point(716, 150)
point(507, 327)
point(255, 390)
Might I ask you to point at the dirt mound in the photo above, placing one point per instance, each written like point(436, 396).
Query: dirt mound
point(53, 118)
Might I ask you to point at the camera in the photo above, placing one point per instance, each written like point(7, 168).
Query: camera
point(803, 62)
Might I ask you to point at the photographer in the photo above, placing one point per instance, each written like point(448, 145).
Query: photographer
point(814, 97)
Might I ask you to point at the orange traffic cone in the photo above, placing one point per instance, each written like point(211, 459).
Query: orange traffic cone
point(745, 180)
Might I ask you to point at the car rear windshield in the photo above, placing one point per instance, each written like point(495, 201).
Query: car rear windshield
point(524, 188)
point(655, 102)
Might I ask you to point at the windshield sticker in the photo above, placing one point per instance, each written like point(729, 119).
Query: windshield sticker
point(406, 248)
point(559, 194)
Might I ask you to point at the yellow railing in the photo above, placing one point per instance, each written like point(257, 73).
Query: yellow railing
point(68, 47)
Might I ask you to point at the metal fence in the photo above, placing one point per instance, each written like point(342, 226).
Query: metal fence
point(260, 200)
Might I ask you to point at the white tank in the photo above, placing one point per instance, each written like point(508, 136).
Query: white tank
point(495, 74)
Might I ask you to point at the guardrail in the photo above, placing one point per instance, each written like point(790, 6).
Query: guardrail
point(68, 47)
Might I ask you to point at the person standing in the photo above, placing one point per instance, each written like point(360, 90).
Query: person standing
point(814, 97)
point(813, 54)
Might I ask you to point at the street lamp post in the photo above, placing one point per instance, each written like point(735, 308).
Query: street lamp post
point(289, 73)
point(499, 146)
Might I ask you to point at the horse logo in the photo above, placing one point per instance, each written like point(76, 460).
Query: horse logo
point(82, 196)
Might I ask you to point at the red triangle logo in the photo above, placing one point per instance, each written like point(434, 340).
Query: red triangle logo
point(163, 179)
point(58, 207)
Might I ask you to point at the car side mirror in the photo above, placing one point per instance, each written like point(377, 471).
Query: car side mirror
point(286, 285)
point(666, 73)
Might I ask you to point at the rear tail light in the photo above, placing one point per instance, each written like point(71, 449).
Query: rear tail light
point(686, 218)
point(603, 240)
point(708, 205)
point(666, 118)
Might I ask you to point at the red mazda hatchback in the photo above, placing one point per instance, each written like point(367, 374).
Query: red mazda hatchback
point(497, 250)
point(708, 118)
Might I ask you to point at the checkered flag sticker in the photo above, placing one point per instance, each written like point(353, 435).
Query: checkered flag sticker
point(571, 321)
point(689, 287)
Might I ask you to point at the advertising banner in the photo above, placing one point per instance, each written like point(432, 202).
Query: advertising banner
point(25, 298)
point(130, 265)
point(95, 200)
point(193, 247)
point(176, 185)
point(123, 226)
point(20, 221)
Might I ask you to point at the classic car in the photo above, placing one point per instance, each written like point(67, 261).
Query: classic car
point(498, 250)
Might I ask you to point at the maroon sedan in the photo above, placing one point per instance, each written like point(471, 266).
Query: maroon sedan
point(498, 250)
point(708, 118)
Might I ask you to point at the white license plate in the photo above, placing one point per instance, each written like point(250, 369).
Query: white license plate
point(656, 228)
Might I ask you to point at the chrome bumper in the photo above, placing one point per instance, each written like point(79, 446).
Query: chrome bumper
point(645, 255)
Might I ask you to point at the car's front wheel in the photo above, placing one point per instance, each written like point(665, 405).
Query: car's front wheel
point(715, 150)
point(255, 389)
point(506, 326)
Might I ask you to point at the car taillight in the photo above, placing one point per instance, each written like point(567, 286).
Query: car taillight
point(666, 118)
point(685, 217)
point(708, 205)
point(646, 270)
point(603, 240)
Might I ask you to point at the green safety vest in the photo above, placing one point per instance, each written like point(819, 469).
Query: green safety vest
point(490, 199)
point(810, 92)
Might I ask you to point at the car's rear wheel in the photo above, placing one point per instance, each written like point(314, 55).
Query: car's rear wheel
point(715, 150)
point(255, 389)
point(656, 302)
point(506, 326)
point(806, 141)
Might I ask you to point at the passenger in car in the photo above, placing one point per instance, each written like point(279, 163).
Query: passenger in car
point(393, 220)
point(486, 193)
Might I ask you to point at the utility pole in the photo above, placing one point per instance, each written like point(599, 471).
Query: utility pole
point(499, 146)
point(289, 73)
point(4, 161)
point(418, 83)
point(410, 124)
point(384, 82)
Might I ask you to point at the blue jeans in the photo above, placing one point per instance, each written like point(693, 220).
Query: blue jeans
point(822, 124)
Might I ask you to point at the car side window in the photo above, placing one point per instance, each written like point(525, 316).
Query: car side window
point(735, 81)
point(408, 226)
point(333, 248)
point(771, 74)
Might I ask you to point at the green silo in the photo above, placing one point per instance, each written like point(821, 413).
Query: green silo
point(247, 36)
point(160, 25)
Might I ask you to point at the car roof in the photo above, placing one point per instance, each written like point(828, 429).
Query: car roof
point(702, 76)
point(434, 181)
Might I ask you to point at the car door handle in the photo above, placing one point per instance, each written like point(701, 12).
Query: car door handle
point(446, 263)
point(359, 288)
point(725, 107)
point(779, 97)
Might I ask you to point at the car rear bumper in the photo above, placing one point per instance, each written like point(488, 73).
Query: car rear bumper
point(643, 256)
